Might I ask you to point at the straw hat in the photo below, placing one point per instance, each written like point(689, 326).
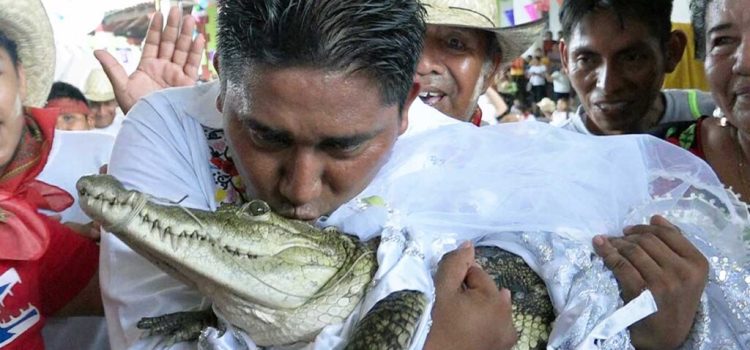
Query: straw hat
point(484, 14)
point(26, 23)
point(546, 105)
point(98, 87)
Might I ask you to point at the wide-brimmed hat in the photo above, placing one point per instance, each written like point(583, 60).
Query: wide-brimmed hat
point(484, 14)
point(546, 105)
point(26, 23)
point(98, 88)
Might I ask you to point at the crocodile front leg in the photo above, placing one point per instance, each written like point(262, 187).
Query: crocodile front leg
point(391, 323)
point(179, 326)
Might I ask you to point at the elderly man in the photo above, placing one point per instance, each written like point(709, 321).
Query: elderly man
point(463, 52)
point(44, 265)
point(616, 55)
point(101, 97)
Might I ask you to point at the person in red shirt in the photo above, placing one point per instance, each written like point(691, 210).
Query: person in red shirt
point(45, 267)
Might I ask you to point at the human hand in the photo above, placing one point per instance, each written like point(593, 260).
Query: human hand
point(660, 258)
point(470, 312)
point(91, 230)
point(170, 58)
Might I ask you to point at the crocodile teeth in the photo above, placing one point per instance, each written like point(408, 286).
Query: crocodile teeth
point(173, 240)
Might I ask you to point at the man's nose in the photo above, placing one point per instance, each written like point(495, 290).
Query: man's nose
point(301, 182)
point(609, 78)
point(430, 62)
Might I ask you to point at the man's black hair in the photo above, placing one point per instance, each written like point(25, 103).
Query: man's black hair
point(64, 90)
point(698, 18)
point(655, 14)
point(379, 38)
point(10, 47)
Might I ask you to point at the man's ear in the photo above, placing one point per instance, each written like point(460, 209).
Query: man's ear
point(90, 121)
point(563, 47)
point(220, 98)
point(220, 101)
point(675, 49)
point(413, 93)
point(216, 62)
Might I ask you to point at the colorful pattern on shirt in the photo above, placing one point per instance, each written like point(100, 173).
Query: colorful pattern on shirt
point(685, 134)
point(229, 187)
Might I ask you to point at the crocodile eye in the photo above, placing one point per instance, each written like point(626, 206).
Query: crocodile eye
point(258, 208)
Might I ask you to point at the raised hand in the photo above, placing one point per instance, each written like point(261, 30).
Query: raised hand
point(469, 312)
point(170, 58)
point(660, 258)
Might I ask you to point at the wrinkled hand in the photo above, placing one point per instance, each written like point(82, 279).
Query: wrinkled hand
point(470, 312)
point(170, 58)
point(660, 258)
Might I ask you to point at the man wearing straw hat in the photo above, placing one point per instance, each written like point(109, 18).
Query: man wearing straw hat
point(463, 51)
point(44, 265)
point(98, 91)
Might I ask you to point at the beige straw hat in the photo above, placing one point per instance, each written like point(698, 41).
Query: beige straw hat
point(546, 105)
point(26, 23)
point(484, 14)
point(98, 88)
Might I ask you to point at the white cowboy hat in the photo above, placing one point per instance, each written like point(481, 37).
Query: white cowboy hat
point(484, 14)
point(25, 22)
point(98, 87)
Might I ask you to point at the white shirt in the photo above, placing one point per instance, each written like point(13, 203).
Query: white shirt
point(560, 82)
point(73, 155)
point(539, 78)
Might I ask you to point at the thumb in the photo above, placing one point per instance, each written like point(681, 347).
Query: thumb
point(454, 267)
point(114, 70)
point(478, 279)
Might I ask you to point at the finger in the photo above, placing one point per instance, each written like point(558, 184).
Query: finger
point(113, 69)
point(153, 37)
point(669, 234)
point(662, 254)
point(480, 280)
point(184, 42)
point(170, 34)
point(194, 59)
point(647, 267)
point(628, 278)
point(453, 268)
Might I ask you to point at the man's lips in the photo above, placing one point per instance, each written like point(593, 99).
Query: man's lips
point(431, 98)
point(742, 91)
point(611, 106)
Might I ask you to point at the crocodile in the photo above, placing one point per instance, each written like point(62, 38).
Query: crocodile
point(283, 280)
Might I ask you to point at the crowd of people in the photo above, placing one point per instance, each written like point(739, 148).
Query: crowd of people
point(320, 104)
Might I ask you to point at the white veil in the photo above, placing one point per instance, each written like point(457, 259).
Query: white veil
point(543, 193)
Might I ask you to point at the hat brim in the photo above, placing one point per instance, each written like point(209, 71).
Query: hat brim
point(514, 41)
point(100, 97)
point(26, 23)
